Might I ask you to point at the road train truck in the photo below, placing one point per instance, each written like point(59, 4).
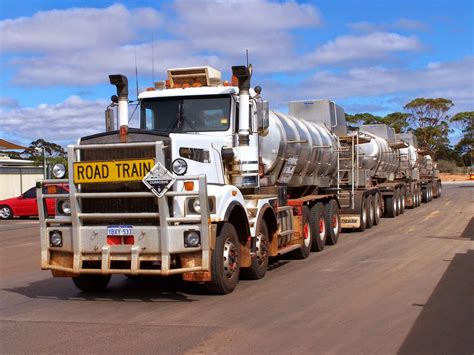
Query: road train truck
point(210, 186)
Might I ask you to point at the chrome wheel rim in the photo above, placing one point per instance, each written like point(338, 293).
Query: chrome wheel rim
point(335, 224)
point(230, 258)
point(307, 235)
point(5, 212)
point(322, 228)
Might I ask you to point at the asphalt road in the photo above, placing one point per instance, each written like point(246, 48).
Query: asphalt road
point(406, 286)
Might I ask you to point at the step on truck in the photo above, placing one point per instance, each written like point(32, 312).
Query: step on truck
point(210, 186)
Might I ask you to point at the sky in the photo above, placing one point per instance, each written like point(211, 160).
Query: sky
point(369, 56)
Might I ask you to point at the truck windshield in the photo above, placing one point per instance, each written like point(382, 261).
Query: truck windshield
point(186, 114)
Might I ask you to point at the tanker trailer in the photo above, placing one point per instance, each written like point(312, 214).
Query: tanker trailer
point(419, 171)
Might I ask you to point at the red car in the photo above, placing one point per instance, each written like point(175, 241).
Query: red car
point(26, 204)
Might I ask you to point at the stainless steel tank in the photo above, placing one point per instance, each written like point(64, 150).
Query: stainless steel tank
point(311, 144)
point(425, 165)
point(378, 157)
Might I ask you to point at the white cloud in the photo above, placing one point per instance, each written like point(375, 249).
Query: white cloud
point(61, 123)
point(365, 47)
point(447, 79)
point(75, 29)
point(8, 102)
point(400, 24)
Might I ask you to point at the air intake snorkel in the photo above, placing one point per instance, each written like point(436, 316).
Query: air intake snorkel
point(121, 83)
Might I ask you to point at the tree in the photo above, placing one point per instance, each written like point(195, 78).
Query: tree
point(430, 122)
point(464, 147)
point(397, 120)
point(35, 150)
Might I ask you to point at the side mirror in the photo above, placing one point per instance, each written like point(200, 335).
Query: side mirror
point(263, 116)
point(109, 119)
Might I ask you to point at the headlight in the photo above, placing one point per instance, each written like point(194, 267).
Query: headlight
point(65, 207)
point(59, 171)
point(197, 205)
point(192, 239)
point(55, 238)
point(179, 166)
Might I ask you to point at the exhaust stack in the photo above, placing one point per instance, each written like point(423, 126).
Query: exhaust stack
point(121, 83)
point(243, 75)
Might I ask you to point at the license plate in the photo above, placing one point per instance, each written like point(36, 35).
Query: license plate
point(112, 171)
point(120, 230)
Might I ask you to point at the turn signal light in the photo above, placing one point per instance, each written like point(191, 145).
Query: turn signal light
point(189, 185)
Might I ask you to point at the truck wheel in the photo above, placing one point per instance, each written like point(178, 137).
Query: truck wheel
point(6, 212)
point(259, 263)
point(390, 206)
point(317, 227)
point(435, 189)
point(397, 202)
point(440, 189)
point(370, 211)
point(430, 193)
point(402, 201)
point(418, 197)
point(308, 236)
point(225, 261)
point(363, 215)
point(333, 222)
point(424, 194)
point(377, 209)
point(91, 283)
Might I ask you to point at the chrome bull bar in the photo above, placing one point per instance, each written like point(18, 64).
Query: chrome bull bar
point(166, 230)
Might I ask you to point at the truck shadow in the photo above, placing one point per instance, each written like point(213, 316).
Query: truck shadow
point(445, 323)
point(120, 289)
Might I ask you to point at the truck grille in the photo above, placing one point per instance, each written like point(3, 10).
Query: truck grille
point(120, 205)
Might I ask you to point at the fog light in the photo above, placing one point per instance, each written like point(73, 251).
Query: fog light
point(55, 238)
point(192, 239)
point(59, 171)
point(179, 166)
point(65, 207)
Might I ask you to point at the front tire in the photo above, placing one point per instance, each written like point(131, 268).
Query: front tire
point(6, 212)
point(259, 264)
point(225, 261)
point(91, 283)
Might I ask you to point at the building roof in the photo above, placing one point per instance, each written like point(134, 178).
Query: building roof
point(10, 146)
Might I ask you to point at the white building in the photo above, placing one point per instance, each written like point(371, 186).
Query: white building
point(17, 176)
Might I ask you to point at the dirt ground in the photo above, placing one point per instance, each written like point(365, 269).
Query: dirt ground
point(453, 177)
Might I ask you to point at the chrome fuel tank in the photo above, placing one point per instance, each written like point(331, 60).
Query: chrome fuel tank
point(312, 145)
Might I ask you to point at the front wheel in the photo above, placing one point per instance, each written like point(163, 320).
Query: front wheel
point(91, 283)
point(259, 265)
point(225, 261)
point(6, 212)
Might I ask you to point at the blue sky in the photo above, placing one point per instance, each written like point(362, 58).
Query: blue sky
point(369, 56)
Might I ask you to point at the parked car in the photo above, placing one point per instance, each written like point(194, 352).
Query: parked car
point(26, 204)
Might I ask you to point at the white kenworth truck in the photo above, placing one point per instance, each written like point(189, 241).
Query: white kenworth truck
point(210, 186)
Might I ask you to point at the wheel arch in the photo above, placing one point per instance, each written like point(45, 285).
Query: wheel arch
point(237, 216)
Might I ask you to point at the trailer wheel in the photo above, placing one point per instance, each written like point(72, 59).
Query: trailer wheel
point(370, 211)
point(424, 194)
point(440, 188)
point(397, 202)
point(363, 215)
point(390, 206)
point(91, 283)
point(225, 261)
point(377, 209)
point(430, 193)
point(418, 196)
point(317, 227)
point(402, 201)
point(259, 263)
point(333, 222)
point(305, 250)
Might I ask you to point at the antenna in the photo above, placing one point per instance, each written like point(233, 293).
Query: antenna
point(153, 58)
point(136, 70)
point(247, 54)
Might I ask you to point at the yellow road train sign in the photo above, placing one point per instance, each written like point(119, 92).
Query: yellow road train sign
point(112, 171)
